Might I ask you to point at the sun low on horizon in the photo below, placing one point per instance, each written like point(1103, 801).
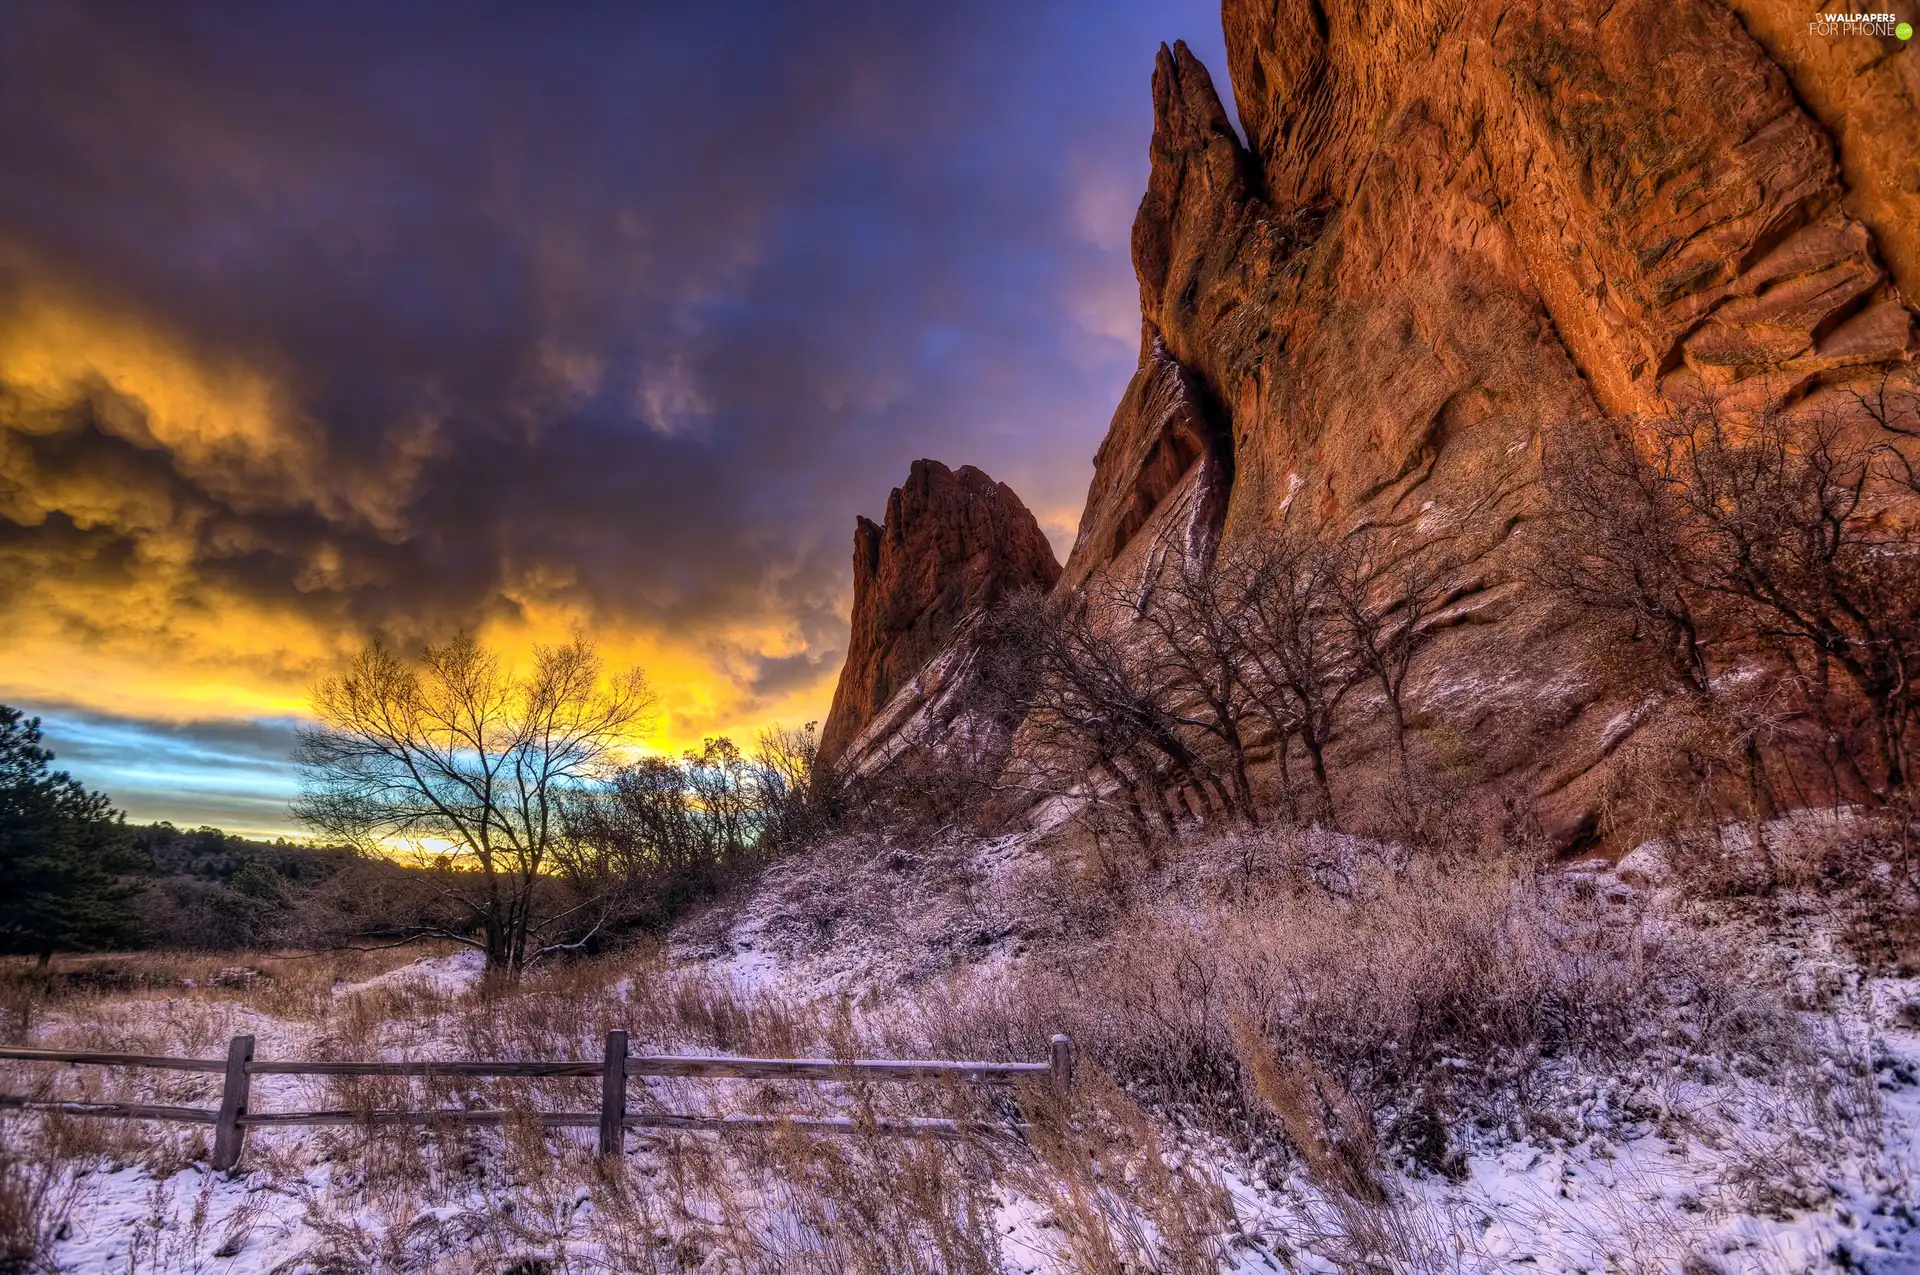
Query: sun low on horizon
point(386, 325)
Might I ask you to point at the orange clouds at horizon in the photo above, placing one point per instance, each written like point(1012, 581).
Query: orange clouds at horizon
point(116, 605)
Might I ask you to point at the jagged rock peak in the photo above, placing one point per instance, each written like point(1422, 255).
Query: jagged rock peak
point(953, 541)
point(1193, 145)
point(1187, 113)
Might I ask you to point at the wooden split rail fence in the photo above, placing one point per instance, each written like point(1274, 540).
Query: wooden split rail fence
point(235, 1116)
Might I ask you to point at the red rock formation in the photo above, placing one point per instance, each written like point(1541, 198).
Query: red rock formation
point(953, 542)
point(1865, 90)
point(1455, 222)
point(1166, 450)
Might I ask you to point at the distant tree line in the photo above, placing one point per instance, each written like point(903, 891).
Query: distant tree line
point(78, 877)
point(66, 856)
point(209, 890)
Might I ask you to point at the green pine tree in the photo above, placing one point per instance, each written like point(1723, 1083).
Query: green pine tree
point(64, 852)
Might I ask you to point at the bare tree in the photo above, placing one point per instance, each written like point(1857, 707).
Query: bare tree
point(1093, 707)
point(1383, 595)
point(658, 834)
point(1068, 738)
point(1137, 701)
point(1173, 684)
point(1756, 539)
point(801, 799)
point(456, 751)
point(722, 785)
point(636, 842)
point(1616, 541)
point(1792, 523)
point(1196, 640)
point(1300, 658)
point(1620, 540)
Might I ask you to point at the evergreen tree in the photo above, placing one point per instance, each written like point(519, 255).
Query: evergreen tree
point(64, 852)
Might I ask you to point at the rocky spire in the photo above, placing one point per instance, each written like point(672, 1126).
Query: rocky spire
point(953, 542)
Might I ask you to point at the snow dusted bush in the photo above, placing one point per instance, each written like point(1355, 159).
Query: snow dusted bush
point(1391, 988)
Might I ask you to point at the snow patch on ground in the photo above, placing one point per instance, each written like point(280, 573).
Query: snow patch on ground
point(1732, 1172)
point(872, 917)
point(447, 976)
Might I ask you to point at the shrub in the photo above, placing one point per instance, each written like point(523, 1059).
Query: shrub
point(1398, 989)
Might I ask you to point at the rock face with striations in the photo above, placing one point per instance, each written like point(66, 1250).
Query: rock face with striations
point(1455, 223)
point(953, 542)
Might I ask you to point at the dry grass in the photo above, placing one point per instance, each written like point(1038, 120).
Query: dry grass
point(36, 1195)
point(1855, 869)
point(1397, 997)
point(294, 986)
point(1121, 1198)
point(448, 1198)
point(1358, 1005)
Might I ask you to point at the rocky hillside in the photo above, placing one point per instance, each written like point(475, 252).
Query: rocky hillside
point(1452, 226)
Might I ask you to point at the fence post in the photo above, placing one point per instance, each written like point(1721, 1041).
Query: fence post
point(1060, 1061)
point(229, 1135)
point(613, 1096)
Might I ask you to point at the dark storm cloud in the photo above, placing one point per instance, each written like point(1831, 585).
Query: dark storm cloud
point(643, 302)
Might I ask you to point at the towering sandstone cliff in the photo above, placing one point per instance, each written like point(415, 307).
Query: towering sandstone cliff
point(952, 543)
point(1455, 222)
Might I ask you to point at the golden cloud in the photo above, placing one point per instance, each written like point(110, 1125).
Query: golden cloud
point(112, 596)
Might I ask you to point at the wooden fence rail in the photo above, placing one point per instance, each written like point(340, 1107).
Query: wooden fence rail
point(234, 1116)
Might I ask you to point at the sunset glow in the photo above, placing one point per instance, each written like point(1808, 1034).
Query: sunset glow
point(615, 334)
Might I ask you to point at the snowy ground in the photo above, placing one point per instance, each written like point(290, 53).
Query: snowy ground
point(1690, 1171)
